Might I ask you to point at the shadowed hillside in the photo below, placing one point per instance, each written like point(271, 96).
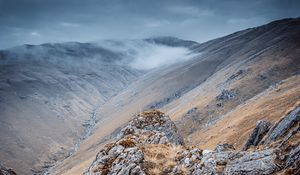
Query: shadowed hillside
point(50, 94)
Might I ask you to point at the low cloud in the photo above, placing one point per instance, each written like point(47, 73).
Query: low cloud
point(156, 56)
point(143, 55)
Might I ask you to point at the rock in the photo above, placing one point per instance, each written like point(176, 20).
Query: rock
point(153, 120)
point(6, 171)
point(260, 130)
point(236, 75)
point(254, 163)
point(125, 156)
point(150, 144)
point(226, 95)
point(224, 147)
point(294, 158)
point(284, 125)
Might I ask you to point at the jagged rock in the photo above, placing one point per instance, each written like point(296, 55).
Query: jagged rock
point(125, 156)
point(294, 157)
point(260, 130)
point(150, 144)
point(254, 163)
point(153, 121)
point(224, 147)
point(6, 171)
point(284, 125)
point(122, 157)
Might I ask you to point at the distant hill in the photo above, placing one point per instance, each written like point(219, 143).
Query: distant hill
point(50, 93)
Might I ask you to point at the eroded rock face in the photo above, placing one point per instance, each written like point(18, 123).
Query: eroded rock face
point(260, 130)
point(125, 156)
point(150, 144)
point(153, 121)
point(258, 162)
point(284, 125)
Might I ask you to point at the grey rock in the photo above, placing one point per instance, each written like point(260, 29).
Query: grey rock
point(226, 95)
point(260, 130)
point(284, 125)
point(153, 121)
point(6, 171)
point(224, 147)
point(294, 156)
point(254, 163)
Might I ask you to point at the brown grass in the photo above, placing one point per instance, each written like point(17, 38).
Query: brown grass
point(159, 159)
point(127, 143)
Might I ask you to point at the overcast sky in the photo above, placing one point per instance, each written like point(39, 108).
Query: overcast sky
point(40, 21)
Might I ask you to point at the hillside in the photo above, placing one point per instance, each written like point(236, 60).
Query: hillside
point(50, 94)
point(214, 98)
point(150, 144)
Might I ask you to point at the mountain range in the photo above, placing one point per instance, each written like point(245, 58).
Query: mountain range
point(62, 102)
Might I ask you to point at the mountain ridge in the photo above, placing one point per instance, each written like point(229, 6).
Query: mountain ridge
point(228, 71)
point(213, 94)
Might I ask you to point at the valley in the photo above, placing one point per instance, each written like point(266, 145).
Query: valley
point(62, 103)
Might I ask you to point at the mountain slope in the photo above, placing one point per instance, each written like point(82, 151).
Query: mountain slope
point(150, 144)
point(202, 93)
point(50, 93)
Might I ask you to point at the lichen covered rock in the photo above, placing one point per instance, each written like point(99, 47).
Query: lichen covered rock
point(151, 144)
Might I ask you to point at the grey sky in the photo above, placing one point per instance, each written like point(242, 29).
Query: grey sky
point(40, 21)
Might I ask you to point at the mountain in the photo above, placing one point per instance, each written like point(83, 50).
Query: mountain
point(62, 103)
point(215, 97)
point(151, 144)
point(50, 94)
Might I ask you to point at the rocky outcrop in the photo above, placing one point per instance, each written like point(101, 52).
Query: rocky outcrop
point(153, 121)
point(257, 162)
point(260, 130)
point(126, 155)
point(226, 95)
point(6, 171)
point(284, 126)
point(150, 144)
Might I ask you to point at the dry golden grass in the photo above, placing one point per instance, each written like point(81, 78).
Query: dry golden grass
point(159, 159)
point(235, 127)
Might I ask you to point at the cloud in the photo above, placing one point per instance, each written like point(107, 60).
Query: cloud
point(143, 55)
point(83, 21)
point(34, 33)
point(190, 10)
point(69, 24)
point(155, 56)
point(155, 23)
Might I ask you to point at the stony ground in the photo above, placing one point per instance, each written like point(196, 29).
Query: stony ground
point(150, 144)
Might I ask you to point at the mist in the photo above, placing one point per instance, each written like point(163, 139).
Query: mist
point(143, 55)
